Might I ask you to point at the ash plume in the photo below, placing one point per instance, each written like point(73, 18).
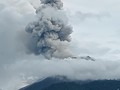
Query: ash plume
point(50, 33)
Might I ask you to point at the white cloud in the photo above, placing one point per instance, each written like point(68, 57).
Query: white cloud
point(13, 20)
point(98, 38)
point(27, 71)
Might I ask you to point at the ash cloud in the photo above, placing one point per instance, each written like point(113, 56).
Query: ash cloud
point(54, 3)
point(18, 69)
point(50, 33)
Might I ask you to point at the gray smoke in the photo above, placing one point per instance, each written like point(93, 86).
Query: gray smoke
point(50, 33)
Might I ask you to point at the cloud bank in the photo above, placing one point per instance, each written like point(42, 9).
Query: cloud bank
point(29, 71)
point(97, 38)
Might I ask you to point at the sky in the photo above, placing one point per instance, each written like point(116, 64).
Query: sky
point(96, 23)
point(95, 33)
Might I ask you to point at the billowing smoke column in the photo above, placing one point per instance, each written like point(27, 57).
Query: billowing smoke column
point(50, 33)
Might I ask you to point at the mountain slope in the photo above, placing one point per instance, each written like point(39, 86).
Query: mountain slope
point(45, 83)
point(94, 85)
point(62, 83)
